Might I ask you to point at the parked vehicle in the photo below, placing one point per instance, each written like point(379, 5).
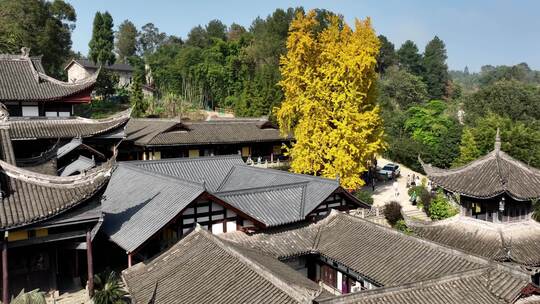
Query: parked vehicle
point(390, 171)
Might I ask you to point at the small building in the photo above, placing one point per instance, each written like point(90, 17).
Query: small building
point(495, 195)
point(47, 222)
point(221, 193)
point(78, 69)
point(151, 139)
point(352, 260)
point(26, 90)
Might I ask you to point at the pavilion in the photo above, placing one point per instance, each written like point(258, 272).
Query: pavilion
point(495, 194)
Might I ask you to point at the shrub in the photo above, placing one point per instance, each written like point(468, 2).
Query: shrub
point(31, 297)
point(423, 197)
point(392, 212)
point(536, 210)
point(440, 208)
point(108, 289)
point(364, 196)
point(402, 226)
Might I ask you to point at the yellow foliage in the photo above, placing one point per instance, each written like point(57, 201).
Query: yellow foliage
point(329, 79)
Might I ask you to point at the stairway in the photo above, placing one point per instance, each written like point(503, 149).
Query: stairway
point(416, 214)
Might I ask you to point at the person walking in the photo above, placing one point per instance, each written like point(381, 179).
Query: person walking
point(396, 188)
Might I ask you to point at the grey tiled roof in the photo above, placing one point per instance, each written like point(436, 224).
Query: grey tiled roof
point(211, 170)
point(479, 286)
point(259, 192)
point(383, 255)
point(34, 197)
point(92, 65)
point(22, 79)
point(317, 189)
point(201, 268)
point(160, 132)
point(58, 127)
point(510, 242)
point(277, 205)
point(138, 203)
point(489, 176)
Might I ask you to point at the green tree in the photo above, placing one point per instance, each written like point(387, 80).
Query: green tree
point(136, 97)
point(126, 41)
point(235, 32)
point(150, 39)
point(216, 29)
point(387, 55)
point(435, 68)
point(102, 42)
point(43, 26)
point(516, 100)
point(431, 126)
point(409, 58)
point(198, 37)
point(468, 150)
point(401, 89)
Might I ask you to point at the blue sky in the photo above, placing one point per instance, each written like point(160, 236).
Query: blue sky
point(475, 32)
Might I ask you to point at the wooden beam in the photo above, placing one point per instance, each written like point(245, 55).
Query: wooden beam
point(90, 264)
point(5, 276)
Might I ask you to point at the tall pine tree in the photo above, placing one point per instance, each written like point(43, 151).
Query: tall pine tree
point(409, 58)
point(102, 42)
point(435, 68)
point(126, 41)
point(329, 84)
point(387, 55)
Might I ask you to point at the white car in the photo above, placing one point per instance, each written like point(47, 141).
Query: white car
point(390, 171)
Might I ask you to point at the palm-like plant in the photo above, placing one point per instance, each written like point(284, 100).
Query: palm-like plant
point(32, 297)
point(536, 210)
point(108, 289)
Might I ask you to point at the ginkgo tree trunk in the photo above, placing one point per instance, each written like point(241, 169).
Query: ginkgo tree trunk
point(329, 82)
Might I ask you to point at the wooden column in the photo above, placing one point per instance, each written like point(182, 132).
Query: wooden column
point(5, 277)
point(130, 261)
point(90, 264)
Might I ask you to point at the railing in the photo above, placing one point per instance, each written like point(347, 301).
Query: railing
point(267, 162)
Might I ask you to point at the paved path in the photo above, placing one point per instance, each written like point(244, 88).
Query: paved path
point(384, 191)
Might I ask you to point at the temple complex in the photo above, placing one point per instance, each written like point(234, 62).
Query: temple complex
point(495, 195)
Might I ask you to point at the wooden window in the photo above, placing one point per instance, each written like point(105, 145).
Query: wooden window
point(246, 151)
point(30, 111)
point(194, 153)
point(328, 275)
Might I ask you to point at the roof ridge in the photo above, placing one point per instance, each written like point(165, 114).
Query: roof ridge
point(262, 188)
point(303, 201)
point(260, 269)
point(281, 172)
point(444, 248)
point(160, 174)
point(446, 278)
point(224, 180)
point(186, 159)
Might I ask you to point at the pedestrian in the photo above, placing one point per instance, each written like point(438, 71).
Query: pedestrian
point(413, 181)
point(396, 188)
point(373, 184)
point(418, 182)
point(429, 186)
point(408, 180)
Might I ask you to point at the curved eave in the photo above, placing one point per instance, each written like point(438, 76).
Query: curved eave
point(33, 128)
point(85, 185)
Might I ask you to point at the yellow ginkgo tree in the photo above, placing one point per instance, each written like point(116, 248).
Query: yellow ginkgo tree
point(329, 79)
